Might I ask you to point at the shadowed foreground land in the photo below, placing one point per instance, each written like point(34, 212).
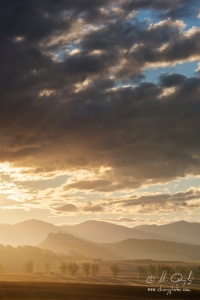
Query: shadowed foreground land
point(70, 291)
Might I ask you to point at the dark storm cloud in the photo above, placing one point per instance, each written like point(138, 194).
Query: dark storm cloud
point(131, 46)
point(33, 20)
point(41, 17)
point(132, 130)
point(113, 37)
point(73, 113)
point(177, 47)
point(170, 80)
point(167, 8)
point(85, 64)
point(142, 135)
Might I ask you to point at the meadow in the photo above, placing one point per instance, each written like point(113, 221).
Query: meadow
point(130, 282)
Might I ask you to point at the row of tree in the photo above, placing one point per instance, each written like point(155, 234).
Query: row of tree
point(72, 268)
point(93, 269)
point(157, 270)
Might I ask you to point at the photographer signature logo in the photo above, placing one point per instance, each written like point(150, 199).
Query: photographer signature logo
point(176, 279)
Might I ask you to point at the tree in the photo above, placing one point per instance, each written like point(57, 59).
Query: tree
point(63, 267)
point(161, 268)
point(1, 268)
point(95, 269)
point(197, 271)
point(47, 268)
point(115, 269)
point(73, 268)
point(29, 267)
point(152, 269)
point(185, 271)
point(170, 270)
point(142, 271)
point(86, 269)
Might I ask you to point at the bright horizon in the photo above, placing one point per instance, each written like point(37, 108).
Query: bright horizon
point(117, 222)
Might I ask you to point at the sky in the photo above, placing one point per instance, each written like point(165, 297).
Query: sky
point(100, 111)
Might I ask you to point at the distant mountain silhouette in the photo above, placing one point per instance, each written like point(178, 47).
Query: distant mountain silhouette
point(181, 231)
point(157, 249)
point(68, 244)
point(128, 249)
point(33, 232)
point(104, 232)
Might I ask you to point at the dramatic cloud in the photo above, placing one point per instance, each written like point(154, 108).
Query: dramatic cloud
point(176, 199)
point(74, 98)
point(144, 203)
point(155, 203)
point(167, 8)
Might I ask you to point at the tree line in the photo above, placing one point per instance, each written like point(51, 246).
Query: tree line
point(94, 269)
point(89, 269)
point(157, 270)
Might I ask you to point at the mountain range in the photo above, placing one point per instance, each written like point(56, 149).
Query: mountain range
point(124, 250)
point(103, 232)
point(34, 232)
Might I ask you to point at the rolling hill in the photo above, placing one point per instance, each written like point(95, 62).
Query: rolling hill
point(33, 232)
point(127, 249)
point(181, 231)
point(104, 232)
point(68, 244)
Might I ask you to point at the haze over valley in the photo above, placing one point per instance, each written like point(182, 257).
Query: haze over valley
point(33, 232)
